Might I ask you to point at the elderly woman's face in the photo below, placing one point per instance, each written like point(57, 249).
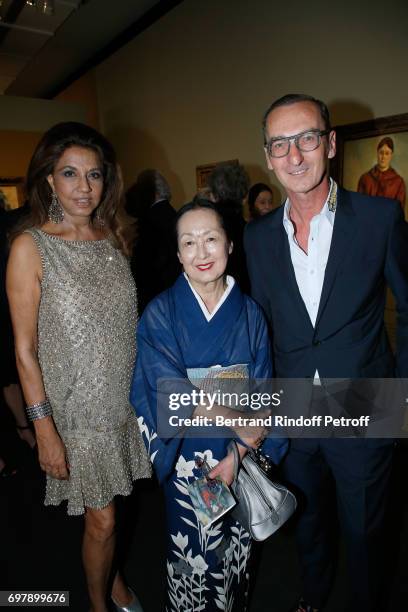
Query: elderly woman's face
point(384, 156)
point(203, 247)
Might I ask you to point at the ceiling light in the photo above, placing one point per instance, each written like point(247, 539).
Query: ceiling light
point(47, 7)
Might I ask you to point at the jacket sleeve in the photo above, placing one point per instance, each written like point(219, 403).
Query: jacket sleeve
point(274, 446)
point(257, 291)
point(396, 274)
point(159, 379)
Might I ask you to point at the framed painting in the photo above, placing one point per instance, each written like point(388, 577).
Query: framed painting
point(203, 172)
point(372, 157)
point(11, 192)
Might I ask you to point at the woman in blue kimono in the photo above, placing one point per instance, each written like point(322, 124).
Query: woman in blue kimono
point(203, 324)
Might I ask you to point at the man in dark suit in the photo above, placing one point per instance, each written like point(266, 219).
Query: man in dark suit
point(155, 265)
point(319, 265)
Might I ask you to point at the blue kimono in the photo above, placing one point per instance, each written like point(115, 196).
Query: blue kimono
point(207, 568)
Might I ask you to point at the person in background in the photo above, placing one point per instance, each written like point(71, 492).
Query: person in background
point(320, 272)
point(203, 327)
point(154, 264)
point(229, 184)
point(260, 200)
point(382, 180)
point(73, 306)
point(9, 383)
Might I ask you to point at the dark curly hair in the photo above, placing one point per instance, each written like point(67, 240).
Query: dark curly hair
point(229, 182)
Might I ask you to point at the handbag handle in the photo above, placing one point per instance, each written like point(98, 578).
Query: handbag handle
point(234, 448)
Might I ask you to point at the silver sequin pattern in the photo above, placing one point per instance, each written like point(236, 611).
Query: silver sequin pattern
point(86, 348)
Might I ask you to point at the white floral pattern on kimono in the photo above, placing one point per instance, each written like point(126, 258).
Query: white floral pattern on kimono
point(205, 566)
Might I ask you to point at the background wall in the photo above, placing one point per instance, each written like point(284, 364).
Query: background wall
point(15, 152)
point(22, 123)
point(191, 89)
point(83, 92)
point(34, 114)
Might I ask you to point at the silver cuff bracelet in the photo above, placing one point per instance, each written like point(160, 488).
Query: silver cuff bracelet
point(39, 411)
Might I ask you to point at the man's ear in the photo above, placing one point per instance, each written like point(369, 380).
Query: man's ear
point(332, 145)
point(230, 248)
point(268, 160)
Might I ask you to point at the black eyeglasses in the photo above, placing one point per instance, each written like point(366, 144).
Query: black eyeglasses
point(305, 141)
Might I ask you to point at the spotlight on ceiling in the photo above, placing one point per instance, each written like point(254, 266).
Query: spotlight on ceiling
point(47, 7)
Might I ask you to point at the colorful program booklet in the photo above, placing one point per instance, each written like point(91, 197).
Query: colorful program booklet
point(211, 499)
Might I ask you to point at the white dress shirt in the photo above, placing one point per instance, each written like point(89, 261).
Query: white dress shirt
point(310, 267)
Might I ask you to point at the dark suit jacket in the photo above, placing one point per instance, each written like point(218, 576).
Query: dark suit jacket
point(155, 265)
point(369, 249)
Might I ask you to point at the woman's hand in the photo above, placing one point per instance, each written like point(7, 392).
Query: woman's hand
point(225, 468)
point(252, 435)
point(52, 455)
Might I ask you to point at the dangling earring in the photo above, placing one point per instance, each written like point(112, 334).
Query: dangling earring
point(98, 217)
point(55, 210)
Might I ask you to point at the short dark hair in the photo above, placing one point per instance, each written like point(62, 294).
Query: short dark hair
point(386, 141)
point(289, 99)
point(150, 186)
point(199, 203)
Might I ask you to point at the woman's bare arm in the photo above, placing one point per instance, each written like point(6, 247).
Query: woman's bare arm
point(24, 274)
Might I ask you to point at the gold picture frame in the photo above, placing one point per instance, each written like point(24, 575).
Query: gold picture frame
point(12, 192)
point(357, 150)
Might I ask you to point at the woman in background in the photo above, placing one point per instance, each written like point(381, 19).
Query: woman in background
point(9, 383)
point(73, 306)
point(260, 200)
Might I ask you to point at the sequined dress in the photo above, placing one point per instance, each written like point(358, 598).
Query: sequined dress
point(86, 349)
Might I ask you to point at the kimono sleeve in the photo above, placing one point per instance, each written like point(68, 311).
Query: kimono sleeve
point(274, 446)
point(260, 343)
point(159, 374)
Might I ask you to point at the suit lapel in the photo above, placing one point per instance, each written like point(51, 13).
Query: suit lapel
point(281, 248)
point(343, 232)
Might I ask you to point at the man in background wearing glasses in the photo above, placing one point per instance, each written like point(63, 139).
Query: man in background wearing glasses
point(318, 266)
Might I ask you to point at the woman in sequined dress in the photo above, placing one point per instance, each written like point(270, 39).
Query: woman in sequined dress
point(73, 305)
